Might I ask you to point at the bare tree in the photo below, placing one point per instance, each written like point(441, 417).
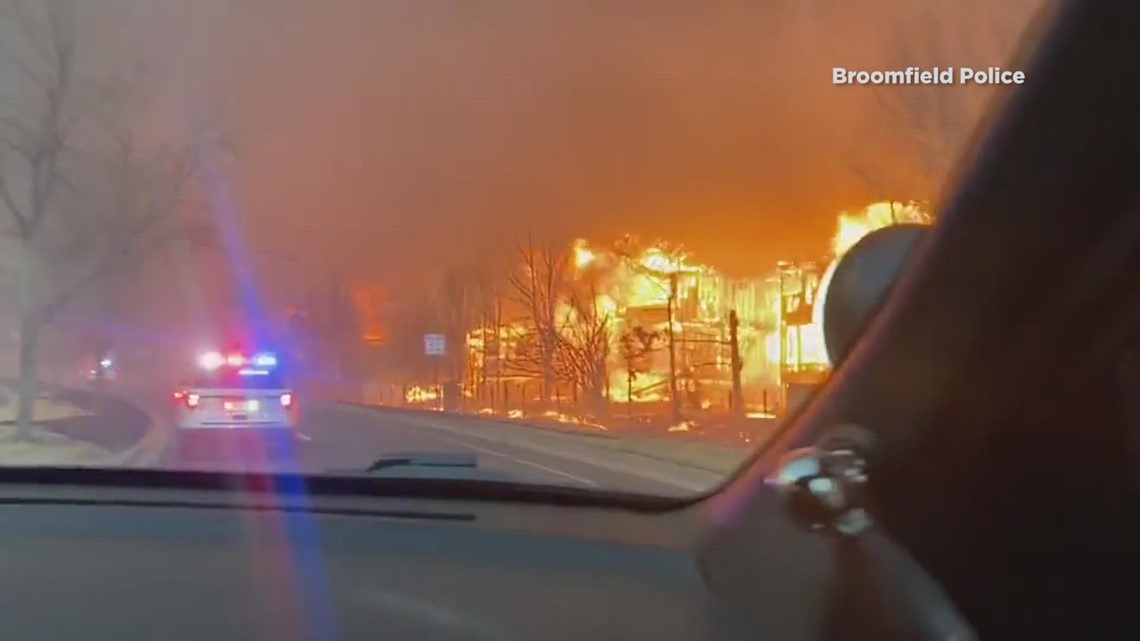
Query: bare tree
point(490, 312)
point(107, 239)
point(336, 326)
point(917, 132)
point(82, 197)
point(634, 346)
point(538, 286)
point(582, 348)
point(458, 310)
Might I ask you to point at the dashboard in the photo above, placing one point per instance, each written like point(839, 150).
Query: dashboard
point(137, 563)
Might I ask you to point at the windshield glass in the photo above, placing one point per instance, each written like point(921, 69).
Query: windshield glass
point(581, 242)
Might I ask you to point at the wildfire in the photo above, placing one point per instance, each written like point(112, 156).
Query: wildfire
point(417, 394)
point(369, 300)
point(583, 255)
point(661, 312)
point(852, 227)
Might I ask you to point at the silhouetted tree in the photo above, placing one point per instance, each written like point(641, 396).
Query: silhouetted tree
point(917, 132)
point(82, 193)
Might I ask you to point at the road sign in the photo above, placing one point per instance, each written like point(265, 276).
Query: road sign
point(435, 344)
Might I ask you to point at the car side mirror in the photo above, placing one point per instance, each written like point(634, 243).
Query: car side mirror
point(856, 287)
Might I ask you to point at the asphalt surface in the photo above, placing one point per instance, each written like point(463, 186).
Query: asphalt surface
point(334, 438)
point(339, 439)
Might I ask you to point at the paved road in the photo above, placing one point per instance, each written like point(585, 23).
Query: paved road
point(338, 438)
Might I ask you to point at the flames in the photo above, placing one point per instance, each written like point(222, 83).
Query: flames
point(417, 394)
point(661, 294)
point(369, 301)
point(852, 227)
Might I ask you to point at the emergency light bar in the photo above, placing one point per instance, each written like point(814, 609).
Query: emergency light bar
point(265, 359)
point(262, 361)
point(211, 360)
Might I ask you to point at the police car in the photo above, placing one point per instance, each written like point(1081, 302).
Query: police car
point(237, 391)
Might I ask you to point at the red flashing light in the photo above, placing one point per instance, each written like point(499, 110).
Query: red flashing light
point(235, 360)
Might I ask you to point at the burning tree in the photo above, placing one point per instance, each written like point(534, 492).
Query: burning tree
point(85, 195)
point(568, 335)
point(583, 347)
point(634, 346)
point(663, 264)
point(538, 285)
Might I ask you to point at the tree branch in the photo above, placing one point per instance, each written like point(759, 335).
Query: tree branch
point(153, 214)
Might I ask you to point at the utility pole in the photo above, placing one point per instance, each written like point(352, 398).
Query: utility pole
point(782, 332)
point(674, 399)
point(737, 365)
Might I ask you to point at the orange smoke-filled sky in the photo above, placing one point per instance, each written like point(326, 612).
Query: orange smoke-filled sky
point(391, 138)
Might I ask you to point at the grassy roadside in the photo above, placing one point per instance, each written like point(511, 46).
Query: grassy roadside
point(46, 448)
point(45, 409)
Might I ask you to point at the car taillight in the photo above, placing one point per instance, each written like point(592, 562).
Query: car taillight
point(192, 400)
point(287, 400)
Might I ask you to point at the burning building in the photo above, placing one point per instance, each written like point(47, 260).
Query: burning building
point(645, 326)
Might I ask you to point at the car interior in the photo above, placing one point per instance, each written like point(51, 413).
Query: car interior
point(989, 398)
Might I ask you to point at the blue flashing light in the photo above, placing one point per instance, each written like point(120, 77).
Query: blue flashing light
point(265, 359)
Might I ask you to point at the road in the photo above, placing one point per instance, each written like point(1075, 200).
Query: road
point(339, 438)
point(136, 419)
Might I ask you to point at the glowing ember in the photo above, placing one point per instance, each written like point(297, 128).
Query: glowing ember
point(418, 394)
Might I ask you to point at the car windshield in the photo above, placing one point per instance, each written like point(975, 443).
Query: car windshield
point(568, 243)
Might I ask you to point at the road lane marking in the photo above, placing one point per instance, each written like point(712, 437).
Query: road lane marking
point(304, 437)
point(641, 473)
point(516, 459)
point(487, 450)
